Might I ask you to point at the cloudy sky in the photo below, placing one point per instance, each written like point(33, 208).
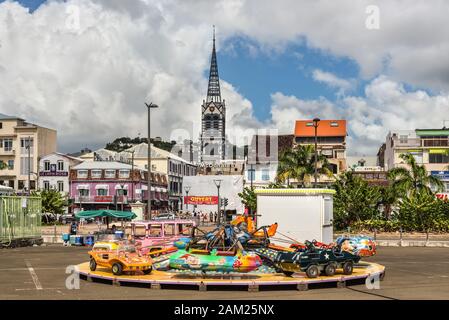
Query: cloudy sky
point(85, 67)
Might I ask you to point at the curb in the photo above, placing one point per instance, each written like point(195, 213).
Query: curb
point(412, 243)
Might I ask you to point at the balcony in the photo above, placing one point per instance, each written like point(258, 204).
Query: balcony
point(421, 142)
point(4, 152)
point(106, 199)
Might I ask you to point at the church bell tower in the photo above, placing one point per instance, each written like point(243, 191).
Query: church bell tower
point(213, 117)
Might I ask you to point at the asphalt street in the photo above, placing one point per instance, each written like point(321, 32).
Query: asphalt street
point(40, 273)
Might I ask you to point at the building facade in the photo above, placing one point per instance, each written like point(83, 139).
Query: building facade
point(114, 185)
point(54, 170)
point(331, 136)
point(429, 147)
point(213, 118)
point(263, 156)
point(21, 146)
point(173, 166)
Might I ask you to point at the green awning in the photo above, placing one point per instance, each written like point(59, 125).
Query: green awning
point(432, 132)
point(105, 213)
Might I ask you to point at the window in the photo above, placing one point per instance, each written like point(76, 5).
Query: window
point(102, 192)
point(7, 144)
point(32, 185)
point(24, 165)
point(46, 165)
point(96, 174)
point(139, 231)
point(184, 229)
point(83, 192)
point(155, 230)
point(24, 144)
point(265, 174)
point(61, 186)
point(1, 125)
point(123, 174)
point(60, 165)
point(403, 139)
point(10, 164)
point(82, 174)
point(334, 124)
point(438, 158)
point(21, 184)
point(46, 185)
point(110, 174)
point(169, 229)
point(122, 192)
point(251, 174)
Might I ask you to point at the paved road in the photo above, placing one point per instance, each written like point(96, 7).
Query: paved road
point(39, 273)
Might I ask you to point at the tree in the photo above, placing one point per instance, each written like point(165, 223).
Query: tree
point(52, 202)
point(419, 210)
point(415, 180)
point(248, 197)
point(299, 163)
point(388, 199)
point(354, 200)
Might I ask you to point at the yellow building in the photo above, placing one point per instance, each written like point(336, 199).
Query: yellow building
point(16, 159)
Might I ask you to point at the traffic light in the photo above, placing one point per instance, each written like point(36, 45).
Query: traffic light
point(225, 201)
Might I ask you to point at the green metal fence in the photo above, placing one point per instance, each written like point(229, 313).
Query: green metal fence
point(20, 218)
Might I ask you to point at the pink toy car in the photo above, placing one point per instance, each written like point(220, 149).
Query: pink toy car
point(155, 235)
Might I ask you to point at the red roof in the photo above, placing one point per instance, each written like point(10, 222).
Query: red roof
point(326, 128)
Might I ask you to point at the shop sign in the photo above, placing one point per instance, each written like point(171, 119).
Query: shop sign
point(208, 200)
point(442, 196)
point(103, 198)
point(53, 173)
point(442, 175)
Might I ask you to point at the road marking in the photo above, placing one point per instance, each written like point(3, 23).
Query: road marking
point(33, 275)
point(26, 269)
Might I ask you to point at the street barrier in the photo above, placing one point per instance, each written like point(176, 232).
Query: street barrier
point(20, 219)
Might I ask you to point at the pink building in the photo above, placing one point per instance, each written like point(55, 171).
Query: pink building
point(110, 185)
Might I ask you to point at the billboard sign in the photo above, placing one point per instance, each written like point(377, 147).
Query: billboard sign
point(208, 200)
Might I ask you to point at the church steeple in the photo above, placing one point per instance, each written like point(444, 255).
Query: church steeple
point(213, 89)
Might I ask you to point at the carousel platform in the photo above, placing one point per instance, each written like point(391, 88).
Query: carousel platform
point(250, 281)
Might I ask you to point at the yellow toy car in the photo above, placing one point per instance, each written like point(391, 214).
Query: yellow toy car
point(119, 257)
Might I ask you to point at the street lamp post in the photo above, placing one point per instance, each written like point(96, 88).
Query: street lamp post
point(28, 147)
point(315, 124)
point(187, 189)
point(149, 106)
point(218, 184)
point(251, 170)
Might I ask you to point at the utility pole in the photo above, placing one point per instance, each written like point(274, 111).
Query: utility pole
point(29, 164)
point(315, 124)
point(149, 106)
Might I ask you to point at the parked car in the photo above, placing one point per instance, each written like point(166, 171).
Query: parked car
point(67, 218)
point(119, 257)
point(165, 216)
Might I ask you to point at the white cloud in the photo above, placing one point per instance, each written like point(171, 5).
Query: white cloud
point(333, 81)
point(387, 106)
point(90, 84)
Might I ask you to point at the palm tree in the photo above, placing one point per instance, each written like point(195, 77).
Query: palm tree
point(299, 163)
point(414, 180)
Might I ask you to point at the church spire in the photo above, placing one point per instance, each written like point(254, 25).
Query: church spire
point(213, 90)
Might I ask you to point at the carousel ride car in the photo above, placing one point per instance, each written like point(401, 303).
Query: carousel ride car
point(119, 257)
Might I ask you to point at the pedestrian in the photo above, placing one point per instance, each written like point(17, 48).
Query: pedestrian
point(73, 228)
point(211, 217)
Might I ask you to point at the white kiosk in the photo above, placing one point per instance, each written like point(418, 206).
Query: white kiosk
point(301, 214)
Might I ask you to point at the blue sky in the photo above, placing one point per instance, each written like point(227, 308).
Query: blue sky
point(30, 4)
point(258, 75)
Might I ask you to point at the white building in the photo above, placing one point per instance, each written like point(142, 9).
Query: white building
point(204, 187)
point(54, 171)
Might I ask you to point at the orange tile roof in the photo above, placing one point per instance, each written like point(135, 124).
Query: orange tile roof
point(326, 128)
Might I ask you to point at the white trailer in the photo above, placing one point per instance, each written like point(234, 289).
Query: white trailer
point(301, 214)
